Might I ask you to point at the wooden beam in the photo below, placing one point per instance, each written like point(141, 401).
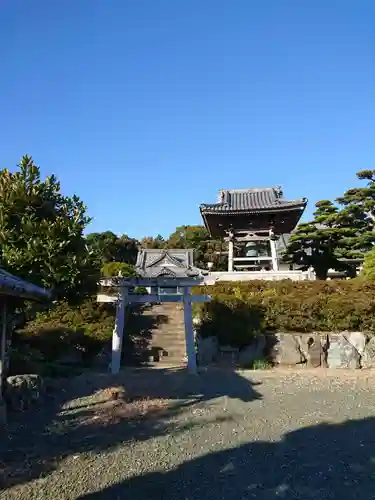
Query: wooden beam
point(2, 359)
point(156, 282)
point(144, 299)
point(102, 297)
point(251, 259)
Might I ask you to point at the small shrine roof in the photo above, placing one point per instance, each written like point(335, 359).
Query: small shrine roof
point(168, 263)
point(17, 287)
point(252, 200)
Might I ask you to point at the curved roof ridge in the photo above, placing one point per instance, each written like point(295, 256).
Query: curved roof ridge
point(252, 190)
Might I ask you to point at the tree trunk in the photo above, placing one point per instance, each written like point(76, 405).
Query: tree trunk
point(321, 273)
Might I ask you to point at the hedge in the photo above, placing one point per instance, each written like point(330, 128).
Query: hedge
point(241, 310)
point(63, 330)
point(238, 312)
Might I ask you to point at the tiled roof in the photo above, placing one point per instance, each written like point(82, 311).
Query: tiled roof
point(252, 200)
point(17, 287)
point(173, 263)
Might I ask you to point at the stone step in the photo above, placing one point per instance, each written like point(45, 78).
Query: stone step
point(167, 333)
point(170, 352)
point(170, 333)
point(169, 328)
point(164, 344)
point(169, 340)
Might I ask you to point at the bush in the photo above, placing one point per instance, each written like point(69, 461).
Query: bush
point(369, 265)
point(241, 310)
point(231, 320)
point(114, 268)
point(77, 331)
point(261, 364)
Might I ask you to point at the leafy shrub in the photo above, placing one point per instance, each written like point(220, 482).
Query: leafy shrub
point(114, 268)
point(369, 265)
point(240, 310)
point(64, 330)
point(261, 364)
point(230, 319)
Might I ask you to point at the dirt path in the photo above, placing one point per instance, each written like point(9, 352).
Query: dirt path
point(218, 435)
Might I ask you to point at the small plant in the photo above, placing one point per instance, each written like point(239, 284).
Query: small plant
point(261, 364)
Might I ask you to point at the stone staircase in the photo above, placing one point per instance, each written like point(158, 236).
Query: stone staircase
point(166, 334)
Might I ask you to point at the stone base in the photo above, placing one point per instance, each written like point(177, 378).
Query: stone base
point(23, 391)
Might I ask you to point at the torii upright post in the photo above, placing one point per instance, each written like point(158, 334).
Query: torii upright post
point(118, 332)
point(189, 332)
point(124, 298)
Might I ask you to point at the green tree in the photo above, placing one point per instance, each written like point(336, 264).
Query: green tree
point(338, 238)
point(314, 243)
point(41, 231)
point(205, 249)
point(151, 242)
point(363, 198)
point(114, 268)
point(108, 247)
point(369, 265)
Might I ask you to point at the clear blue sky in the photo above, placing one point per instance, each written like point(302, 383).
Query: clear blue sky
point(146, 108)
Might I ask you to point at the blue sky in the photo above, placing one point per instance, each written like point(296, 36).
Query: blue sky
point(146, 108)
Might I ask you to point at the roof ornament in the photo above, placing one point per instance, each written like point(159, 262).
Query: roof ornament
point(230, 233)
point(279, 192)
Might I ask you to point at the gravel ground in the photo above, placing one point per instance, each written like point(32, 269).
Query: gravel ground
point(225, 435)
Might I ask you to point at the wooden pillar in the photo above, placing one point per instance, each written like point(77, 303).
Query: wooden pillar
point(230, 255)
point(118, 331)
point(2, 359)
point(189, 332)
point(275, 260)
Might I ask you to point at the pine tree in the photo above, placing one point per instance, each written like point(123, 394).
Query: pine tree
point(314, 243)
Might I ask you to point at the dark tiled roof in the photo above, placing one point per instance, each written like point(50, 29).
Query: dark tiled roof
point(252, 200)
point(17, 287)
point(173, 263)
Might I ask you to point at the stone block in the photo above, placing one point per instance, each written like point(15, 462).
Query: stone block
point(207, 349)
point(314, 353)
point(23, 391)
point(252, 352)
point(368, 358)
point(285, 349)
point(228, 355)
point(311, 349)
point(357, 340)
point(341, 353)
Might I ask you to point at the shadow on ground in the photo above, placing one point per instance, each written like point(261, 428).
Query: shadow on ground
point(141, 324)
point(36, 441)
point(326, 461)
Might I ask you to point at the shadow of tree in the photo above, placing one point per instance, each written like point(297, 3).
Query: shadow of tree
point(70, 424)
point(141, 324)
point(327, 461)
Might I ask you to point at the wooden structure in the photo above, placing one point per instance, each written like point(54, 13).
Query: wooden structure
point(125, 296)
point(256, 223)
point(168, 275)
point(13, 289)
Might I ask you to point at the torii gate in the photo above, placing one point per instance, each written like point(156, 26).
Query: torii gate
point(124, 298)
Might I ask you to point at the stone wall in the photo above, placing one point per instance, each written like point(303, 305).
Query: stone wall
point(350, 350)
